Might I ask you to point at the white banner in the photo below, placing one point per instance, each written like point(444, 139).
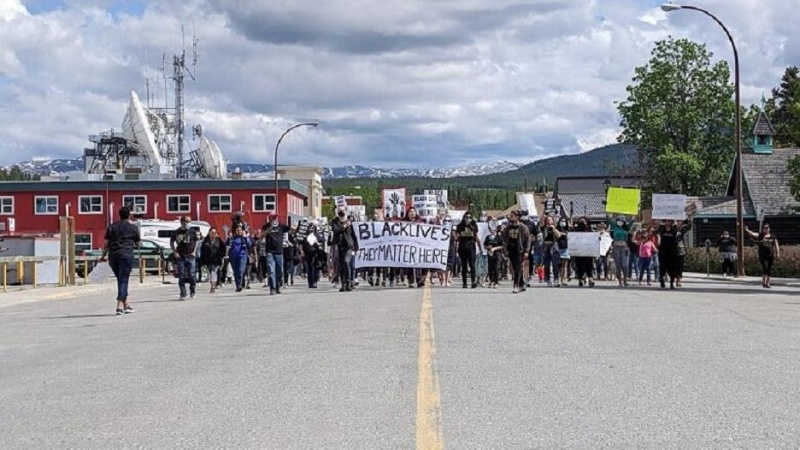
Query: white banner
point(394, 203)
point(669, 207)
point(441, 198)
point(402, 244)
point(526, 202)
point(584, 244)
point(426, 205)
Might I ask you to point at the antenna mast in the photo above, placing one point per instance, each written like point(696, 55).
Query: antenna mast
point(179, 69)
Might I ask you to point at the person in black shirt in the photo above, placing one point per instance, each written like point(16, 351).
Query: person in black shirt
point(467, 231)
point(551, 256)
point(768, 250)
point(273, 235)
point(668, 253)
point(184, 244)
point(120, 240)
point(494, 248)
point(212, 253)
point(517, 240)
point(727, 251)
point(584, 264)
point(344, 238)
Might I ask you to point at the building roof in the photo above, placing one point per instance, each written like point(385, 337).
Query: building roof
point(763, 126)
point(767, 179)
point(590, 185)
point(720, 206)
point(188, 184)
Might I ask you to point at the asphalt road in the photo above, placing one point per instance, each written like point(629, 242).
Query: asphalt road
point(710, 366)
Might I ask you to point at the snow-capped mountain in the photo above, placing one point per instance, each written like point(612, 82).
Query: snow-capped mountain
point(60, 166)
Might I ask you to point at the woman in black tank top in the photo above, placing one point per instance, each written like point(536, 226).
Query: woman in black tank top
point(768, 250)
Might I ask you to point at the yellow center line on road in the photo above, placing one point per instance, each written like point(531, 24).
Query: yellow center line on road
point(429, 408)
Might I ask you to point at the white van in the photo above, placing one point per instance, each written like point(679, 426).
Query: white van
point(161, 231)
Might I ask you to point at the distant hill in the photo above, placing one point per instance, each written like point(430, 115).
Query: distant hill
point(598, 162)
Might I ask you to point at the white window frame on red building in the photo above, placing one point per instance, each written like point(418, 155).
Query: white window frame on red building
point(135, 206)
point(47, 207)
point(83, 245)
point(265, 202)
point(180, 211)
point(91, 204)
point(220, 203)
point(5, 203)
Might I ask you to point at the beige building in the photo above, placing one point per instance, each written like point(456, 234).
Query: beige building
point(311, 178)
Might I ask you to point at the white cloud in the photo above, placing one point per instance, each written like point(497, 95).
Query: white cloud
point(394, 83)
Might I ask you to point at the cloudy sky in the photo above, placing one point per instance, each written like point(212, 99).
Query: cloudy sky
point(394, 83)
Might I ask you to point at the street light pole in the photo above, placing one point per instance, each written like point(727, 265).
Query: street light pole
point(275, 166)
point(737, 135)
point(524, 177)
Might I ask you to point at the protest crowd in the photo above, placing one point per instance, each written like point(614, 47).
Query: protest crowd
point(405, 248)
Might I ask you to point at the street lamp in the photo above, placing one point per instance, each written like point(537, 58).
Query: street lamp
point(275, 166)
point(524, 177)
point(668, 7)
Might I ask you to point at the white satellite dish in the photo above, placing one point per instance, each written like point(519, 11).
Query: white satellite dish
point(222, 165)
point(136, 129)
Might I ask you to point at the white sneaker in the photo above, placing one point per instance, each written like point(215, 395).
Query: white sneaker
point(549, 284)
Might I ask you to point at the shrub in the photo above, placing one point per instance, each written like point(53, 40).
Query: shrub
point(788, 266)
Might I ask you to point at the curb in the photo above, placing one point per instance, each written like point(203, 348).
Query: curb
point(755, 281)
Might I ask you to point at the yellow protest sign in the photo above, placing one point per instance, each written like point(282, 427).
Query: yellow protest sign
point(623, 201)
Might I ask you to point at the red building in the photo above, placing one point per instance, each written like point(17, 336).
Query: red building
point(34, 207)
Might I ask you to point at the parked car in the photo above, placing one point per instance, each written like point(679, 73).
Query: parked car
point(146, 247)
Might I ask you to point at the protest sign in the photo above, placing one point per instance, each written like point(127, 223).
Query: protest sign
point(483, 231)
point(441, 198)
point(584, 244)
point(359, 212)
point(302, 229)
point(623, 201)
point(669, 207)
point(526, 202)
point(605, 244)
point(550, 206)
point(341, 201)
point(456, 215)
point(426, 206)
point(394, 203)
point(402, 245)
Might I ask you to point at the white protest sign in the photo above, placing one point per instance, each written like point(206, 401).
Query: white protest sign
point(394, 203)
point(100, 273)
point(359, 212)
point(456, 215)
point(402, 244)
point(426, 206)
point(441, 198)
point(526, 202)
point(669, 207)
point(584, 244)
point(483, 231)
point(605, 244)
point(341, 201)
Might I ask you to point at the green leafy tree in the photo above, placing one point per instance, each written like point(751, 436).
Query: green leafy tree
point(679, 113)
point(784, 109)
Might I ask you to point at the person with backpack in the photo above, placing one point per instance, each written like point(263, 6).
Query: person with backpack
point(183, 244)
point(239, 248)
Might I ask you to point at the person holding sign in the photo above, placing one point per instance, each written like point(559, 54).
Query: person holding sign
point(467, 232)
point(584, 264)
point(668, 253)
point(344, 238)
point(620, 252)
point(768, 251)
point(517, 241)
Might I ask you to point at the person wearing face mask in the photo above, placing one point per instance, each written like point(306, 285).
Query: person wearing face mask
point(273, 233)
point(344, 238)
point(563, 251)
point(668, 253)
point(415, 277)
point(452, 253)
point(494, 248)
point(467, 231)
point(211, 255)
point(517, 241)
point(239, 247)
point(550, 254)
point(620, 252)
point(584, 264)
point(727, 252)
point(184, 245)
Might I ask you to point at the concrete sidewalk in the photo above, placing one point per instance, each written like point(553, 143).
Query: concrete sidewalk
point(746, 280)
point(29, 294)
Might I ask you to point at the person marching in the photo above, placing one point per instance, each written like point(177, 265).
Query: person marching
point(562, 244)
point(647, 253)
point(273, 235)
point(183, 244)
point(550, 255)
point(494, 248)
point(239, 248)
point(621, 253)
point(668, 253)
point(768, 251)
point(584, 265)
point(415, 277)
point(517, 241)
point(344, 238)
point(121, 238)
point(212, 253)
point(467, 231)
point(313, 255)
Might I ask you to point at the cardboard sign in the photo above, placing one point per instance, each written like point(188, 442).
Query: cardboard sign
point(441, 198)
point(401, 244)
point(359, 212)
point(623, 201)
point(669, 207)
point(427, 206)
point(550, 206)
point(584, 244)
point(394, 203)
point(526, 202)
point(341, 201)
